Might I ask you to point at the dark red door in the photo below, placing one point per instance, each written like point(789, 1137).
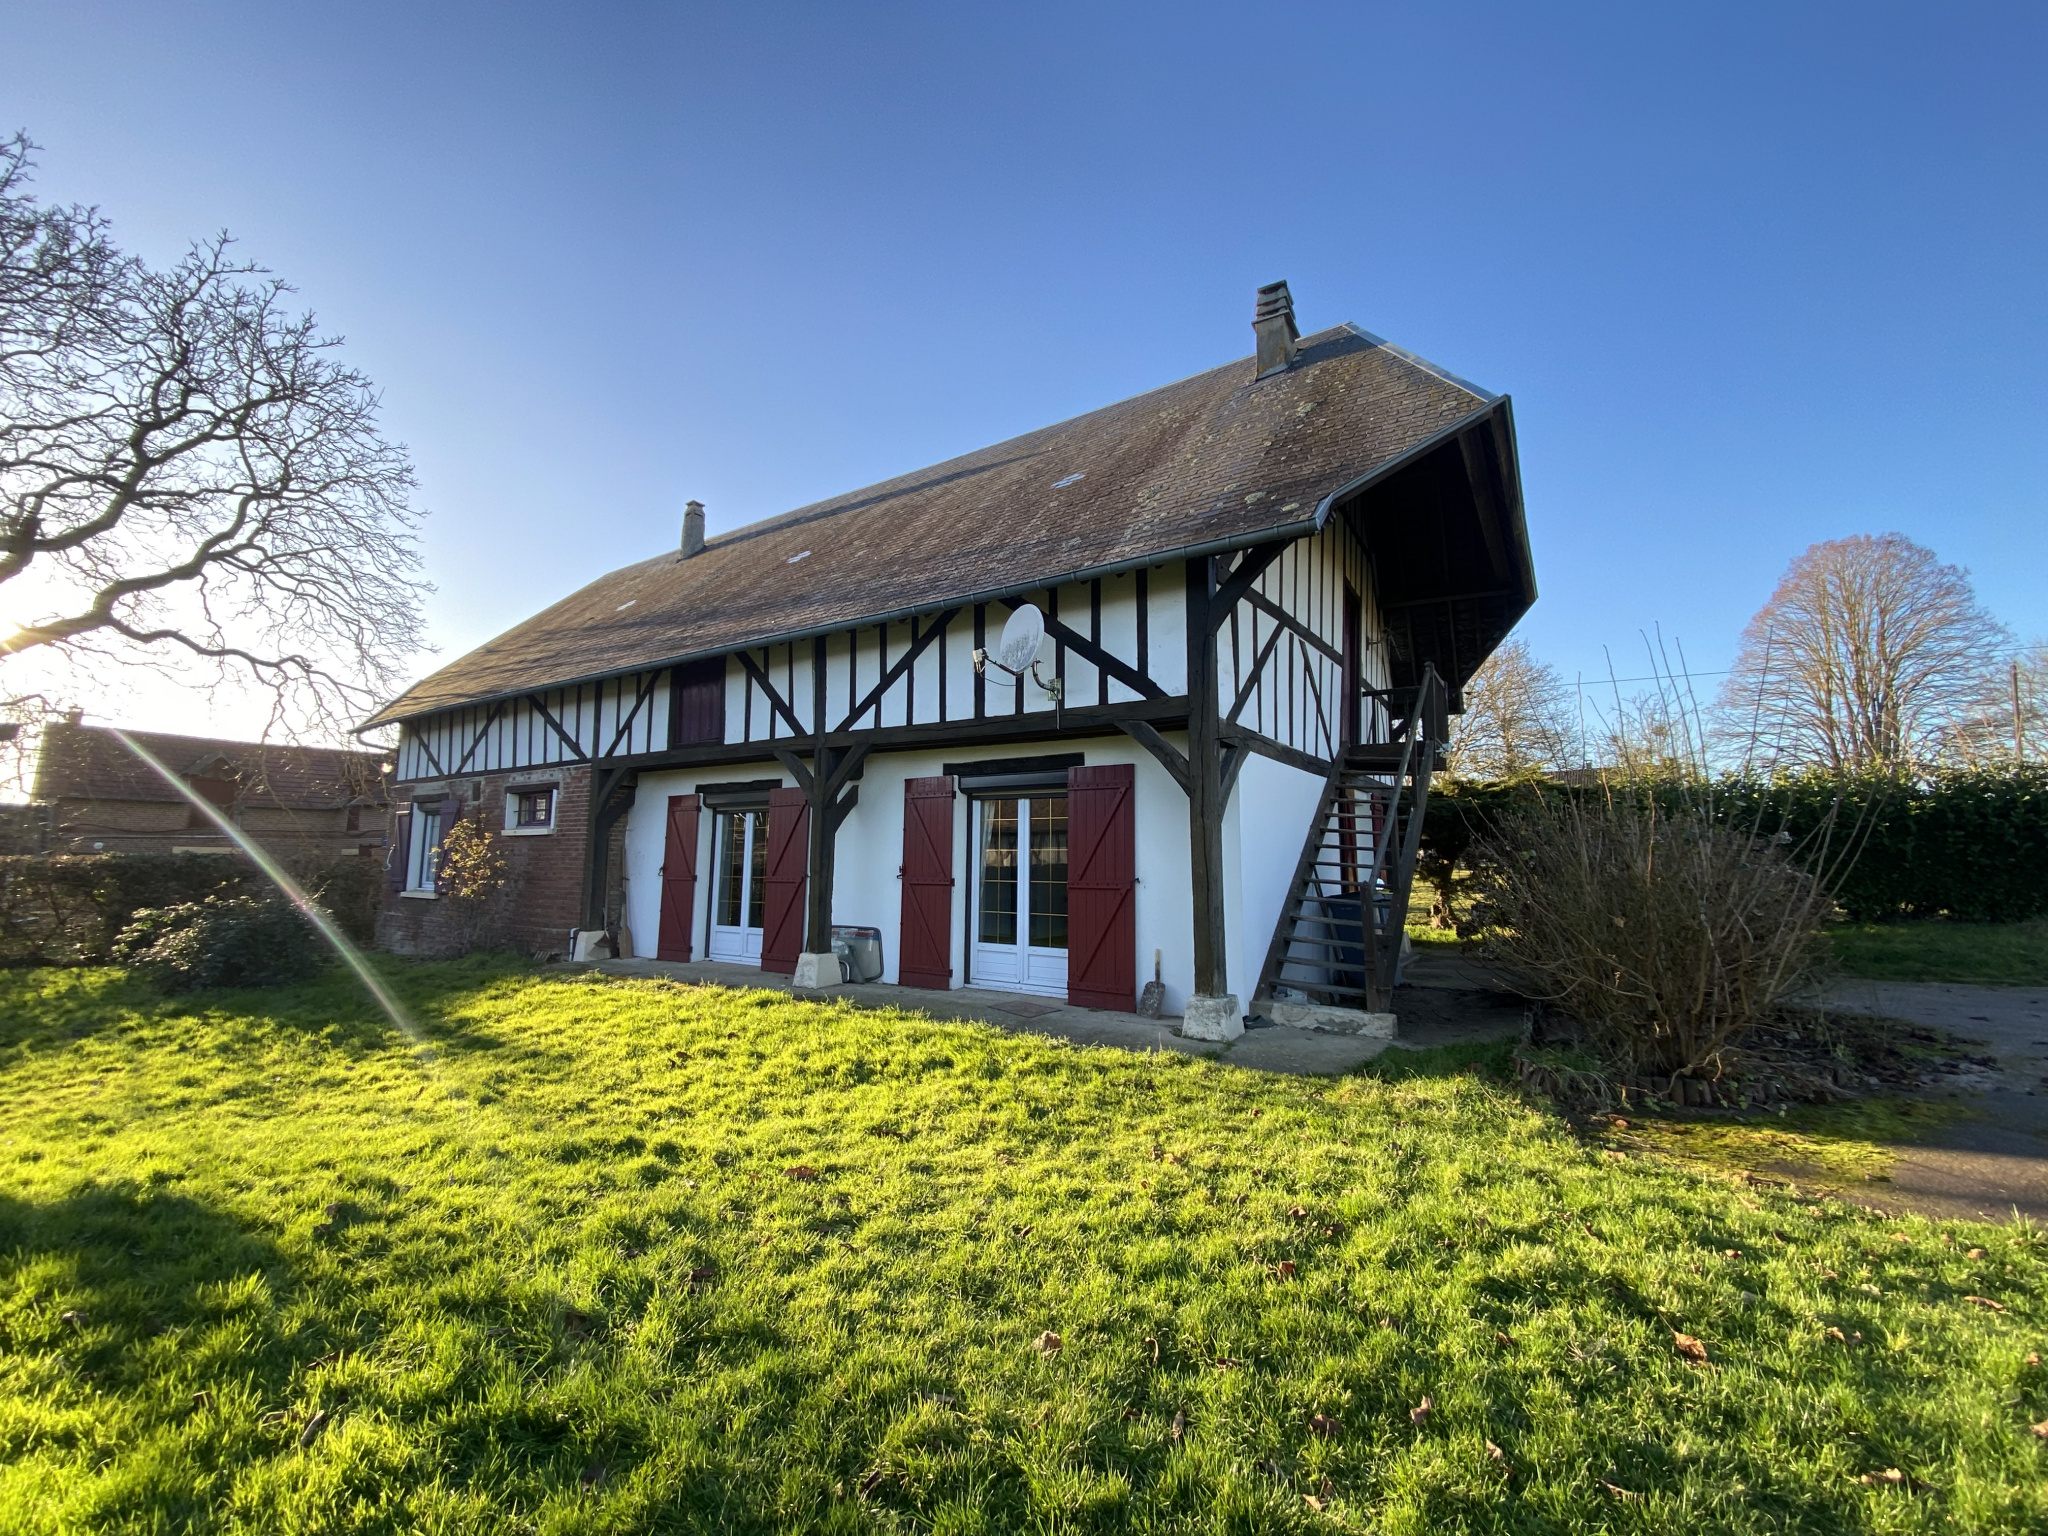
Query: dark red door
point(788, 878)
point(925, 953)
point(678, 880)
point(1102, 879)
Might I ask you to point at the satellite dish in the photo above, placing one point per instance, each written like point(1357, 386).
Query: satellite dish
point(1022, 637)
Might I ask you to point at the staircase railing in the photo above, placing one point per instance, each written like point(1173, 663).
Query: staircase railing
point(1398, 772)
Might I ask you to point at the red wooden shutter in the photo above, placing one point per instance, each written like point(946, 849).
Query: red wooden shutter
point(1102, 878)
point(679, 880)
point(925, 948)
point(789, 867)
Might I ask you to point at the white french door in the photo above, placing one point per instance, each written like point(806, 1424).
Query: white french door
point(1020, 920)
point(739, 897)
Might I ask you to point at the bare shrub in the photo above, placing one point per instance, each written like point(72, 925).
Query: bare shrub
point(1664, 930)
point(470, 874)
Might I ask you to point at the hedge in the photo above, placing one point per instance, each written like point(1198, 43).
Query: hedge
point(63, 909)
point(1970, 844)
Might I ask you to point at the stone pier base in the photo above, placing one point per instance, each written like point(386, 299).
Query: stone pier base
point(1212, 1018)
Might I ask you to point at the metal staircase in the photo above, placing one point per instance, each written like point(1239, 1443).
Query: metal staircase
point(1338, 940)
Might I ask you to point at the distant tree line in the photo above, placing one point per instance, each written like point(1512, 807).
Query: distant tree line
point(1871, 658)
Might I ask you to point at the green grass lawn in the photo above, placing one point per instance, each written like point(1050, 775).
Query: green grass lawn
point(2012, 954)
point(626, 1256)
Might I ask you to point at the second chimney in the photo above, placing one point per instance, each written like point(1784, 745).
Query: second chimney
point(693, 528)
point(1273, 324)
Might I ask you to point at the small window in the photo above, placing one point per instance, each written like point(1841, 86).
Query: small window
point(533, 810)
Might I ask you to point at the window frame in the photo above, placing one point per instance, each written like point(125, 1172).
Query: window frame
point(513, 795)
point(422, 852)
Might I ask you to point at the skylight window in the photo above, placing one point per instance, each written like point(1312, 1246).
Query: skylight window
point(1070, 480)
point(792, 560)
point(629, 602)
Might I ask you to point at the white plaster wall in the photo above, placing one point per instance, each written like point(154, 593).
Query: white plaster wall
point(647, 840)
point(870, 852)
point(1264, 829)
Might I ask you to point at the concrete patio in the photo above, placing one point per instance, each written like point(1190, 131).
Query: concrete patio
point(1437, 1018)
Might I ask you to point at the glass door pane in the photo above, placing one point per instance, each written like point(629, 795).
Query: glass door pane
point(998, 872)
point(757, 870)
point(732, 866)
point(1049, 872)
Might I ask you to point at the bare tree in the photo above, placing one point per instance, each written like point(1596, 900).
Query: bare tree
point(190, 478)
point(1869, 655)
point(1518, 716)
point(2010, 724)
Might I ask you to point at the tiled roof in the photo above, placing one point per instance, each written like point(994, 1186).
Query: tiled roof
point(1217, 460)
point(84, 762)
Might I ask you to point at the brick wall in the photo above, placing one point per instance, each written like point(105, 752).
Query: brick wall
point(542, 898)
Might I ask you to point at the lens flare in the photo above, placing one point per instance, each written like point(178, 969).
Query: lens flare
point(295, 893)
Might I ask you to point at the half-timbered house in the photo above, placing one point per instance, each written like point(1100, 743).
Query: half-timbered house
point(1262, 588)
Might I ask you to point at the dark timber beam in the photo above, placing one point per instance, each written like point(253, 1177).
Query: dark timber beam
point(484, 730)
point(1252, 741)
point(824, 826)
point(901, 665)
point(1167, 713)
point(1250, 685)
point(1293, 626)
point(1103, 660)
point(1205, 779)
point(775, 698)
point(1146, 735)
point(574, 746)
point(1233, 588)
point(612, 790)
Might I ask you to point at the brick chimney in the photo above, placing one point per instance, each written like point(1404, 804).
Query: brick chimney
point(693, 528)
point(1273, 324)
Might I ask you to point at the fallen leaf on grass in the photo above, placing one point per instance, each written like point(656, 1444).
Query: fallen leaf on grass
point(1504, 1340)
point(1974, 1253)
point(1626, 1495)
point(2033, 1358)
point(312, 1430)
point(2041, 1430)
point(1284, 1269)
point(803, 1173)
point(1421, 1410)
point(1179, 1426)
point(872, 1481)
point(1329, 1428)
point(1689, 1347)
point(1314, 1503)
point(1047, 1343)
point(1297, 1213)
point(1986, 1302)
point(1154, 1345)
point(703, 1274)
point(1495, 1453)
point(1020, 1233)
point(1890, 1475)
point(75, 1318)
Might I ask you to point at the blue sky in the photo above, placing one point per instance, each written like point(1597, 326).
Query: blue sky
point(1755, 275)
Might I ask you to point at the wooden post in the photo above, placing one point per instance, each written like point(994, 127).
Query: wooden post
point(611, 796)
point(824, 826)
point(1205, 785)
